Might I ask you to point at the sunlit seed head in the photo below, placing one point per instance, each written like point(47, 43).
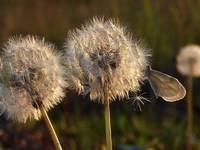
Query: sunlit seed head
point(102, 57)
point(31, 73)
point(188, 60)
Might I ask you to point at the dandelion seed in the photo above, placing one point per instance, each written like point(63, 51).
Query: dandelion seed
point(188, 60)
point(103, 60)
point(102, 56)
point(188, 63)
point(30, 74)
point(138, 101)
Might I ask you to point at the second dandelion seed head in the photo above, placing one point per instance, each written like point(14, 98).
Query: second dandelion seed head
point(31, 76)
point(102, 57)
point(188, 60)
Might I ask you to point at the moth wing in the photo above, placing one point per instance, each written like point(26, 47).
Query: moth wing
point(167, 87)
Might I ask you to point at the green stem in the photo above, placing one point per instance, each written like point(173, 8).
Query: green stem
point(107, 123)
point(189, 113)
point(50, 128)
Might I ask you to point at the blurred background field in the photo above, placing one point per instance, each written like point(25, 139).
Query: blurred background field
point(163, 26)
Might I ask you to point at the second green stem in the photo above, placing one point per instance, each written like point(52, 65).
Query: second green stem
point(189, 113)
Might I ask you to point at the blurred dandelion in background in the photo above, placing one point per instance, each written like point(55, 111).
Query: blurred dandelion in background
point(188, 60)
point(103, 60)
point(31, 79)
point(188, 64)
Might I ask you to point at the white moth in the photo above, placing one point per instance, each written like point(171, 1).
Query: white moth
point(165, 86)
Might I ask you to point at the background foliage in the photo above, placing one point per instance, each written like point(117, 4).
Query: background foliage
point(162, 25)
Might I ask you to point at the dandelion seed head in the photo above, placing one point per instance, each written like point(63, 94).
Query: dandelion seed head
point(188, 60)
point(102, 57)
point(30, 70)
